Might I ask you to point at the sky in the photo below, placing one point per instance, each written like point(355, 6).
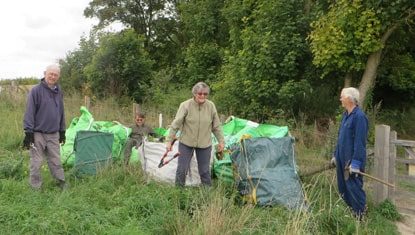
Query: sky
point(35, 34)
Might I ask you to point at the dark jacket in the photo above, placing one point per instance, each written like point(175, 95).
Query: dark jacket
point(44, 110)
point(139, 131)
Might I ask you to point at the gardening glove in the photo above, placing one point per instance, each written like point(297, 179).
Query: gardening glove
point(29, 140)
point(62, 137)
point(354, 167)
point(333, 162)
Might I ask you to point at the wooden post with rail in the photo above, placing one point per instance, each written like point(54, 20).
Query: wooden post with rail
point(392, 158)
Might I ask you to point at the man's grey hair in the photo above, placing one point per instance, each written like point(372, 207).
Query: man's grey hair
point(352, 93)
point(200, 86)
point(53, 67)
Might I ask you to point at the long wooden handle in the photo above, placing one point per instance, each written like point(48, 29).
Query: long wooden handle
point(376, 179)
point(315, 171)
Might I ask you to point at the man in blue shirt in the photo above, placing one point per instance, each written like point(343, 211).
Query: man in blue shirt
point(350, 154)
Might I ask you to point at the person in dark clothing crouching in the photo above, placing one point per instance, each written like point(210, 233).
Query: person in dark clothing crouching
point(139, 131)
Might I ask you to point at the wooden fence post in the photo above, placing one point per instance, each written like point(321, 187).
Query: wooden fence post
point(381, 169)
point(392, 157)
point(14, 85)
point(87, 102)
point(410, 155)
point(136, 109)
point(13, 89)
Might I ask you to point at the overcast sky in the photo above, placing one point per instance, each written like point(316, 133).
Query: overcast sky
point(35, 34)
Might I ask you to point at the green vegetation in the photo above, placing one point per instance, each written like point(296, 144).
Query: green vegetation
point(20, 81)
point(407, 185)
point(280, 62)
point(388, 210)
point(123, 200)
point(280, 59)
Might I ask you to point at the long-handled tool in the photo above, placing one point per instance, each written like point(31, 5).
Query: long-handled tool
point(319, 170)
point(347, 175)
point(163, 161)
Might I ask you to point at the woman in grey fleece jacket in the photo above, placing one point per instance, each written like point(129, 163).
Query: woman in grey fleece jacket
point(196, 119)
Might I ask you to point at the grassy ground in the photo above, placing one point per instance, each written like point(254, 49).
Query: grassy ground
point(124, 201)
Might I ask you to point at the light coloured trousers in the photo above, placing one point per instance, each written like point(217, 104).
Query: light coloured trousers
point(46, 146)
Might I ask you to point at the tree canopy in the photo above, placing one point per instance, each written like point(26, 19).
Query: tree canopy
point(264, 59)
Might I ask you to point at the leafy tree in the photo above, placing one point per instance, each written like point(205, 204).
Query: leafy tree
point(120, 67)
point(342, 39)
point(153, 19)
point(202, 21)
point(72, 67)
point(265, 60)
point(396, 77)
point(351, 36)
point(204, 32)
point(201, 62)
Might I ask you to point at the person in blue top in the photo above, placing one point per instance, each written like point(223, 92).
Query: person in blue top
point(44, 127)
point(350, 153)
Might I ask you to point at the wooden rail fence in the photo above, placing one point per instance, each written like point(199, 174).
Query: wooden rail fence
point(386, 161)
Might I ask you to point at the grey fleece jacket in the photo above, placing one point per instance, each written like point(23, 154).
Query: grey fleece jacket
point(196, 122)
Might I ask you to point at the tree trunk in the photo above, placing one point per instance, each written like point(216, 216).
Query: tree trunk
point(348, 79)
point(371, 69)
point(307, 7)
point(369, 76)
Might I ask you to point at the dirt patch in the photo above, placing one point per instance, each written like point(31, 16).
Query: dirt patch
point(407, 225)
point(405, 202)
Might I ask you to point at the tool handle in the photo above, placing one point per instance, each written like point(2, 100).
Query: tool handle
point(376, 179)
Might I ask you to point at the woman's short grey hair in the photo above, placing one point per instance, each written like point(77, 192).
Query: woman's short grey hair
point(353, 93)
point(200, 86)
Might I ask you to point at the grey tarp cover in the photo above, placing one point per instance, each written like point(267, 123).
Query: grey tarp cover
point(93, 151)
point(270, 163)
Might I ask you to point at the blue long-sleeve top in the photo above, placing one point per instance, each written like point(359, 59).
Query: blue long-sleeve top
point(44, 110)
point(351, 143)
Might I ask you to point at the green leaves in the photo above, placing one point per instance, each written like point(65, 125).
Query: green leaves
point(344, 37)
point(267, 49)
point(120, 66)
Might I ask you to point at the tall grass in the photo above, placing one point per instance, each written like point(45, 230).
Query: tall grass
point(123, 200)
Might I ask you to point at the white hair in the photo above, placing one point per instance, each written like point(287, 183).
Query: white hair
point(200, 86)
point(352, 93)
point(53, 67)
